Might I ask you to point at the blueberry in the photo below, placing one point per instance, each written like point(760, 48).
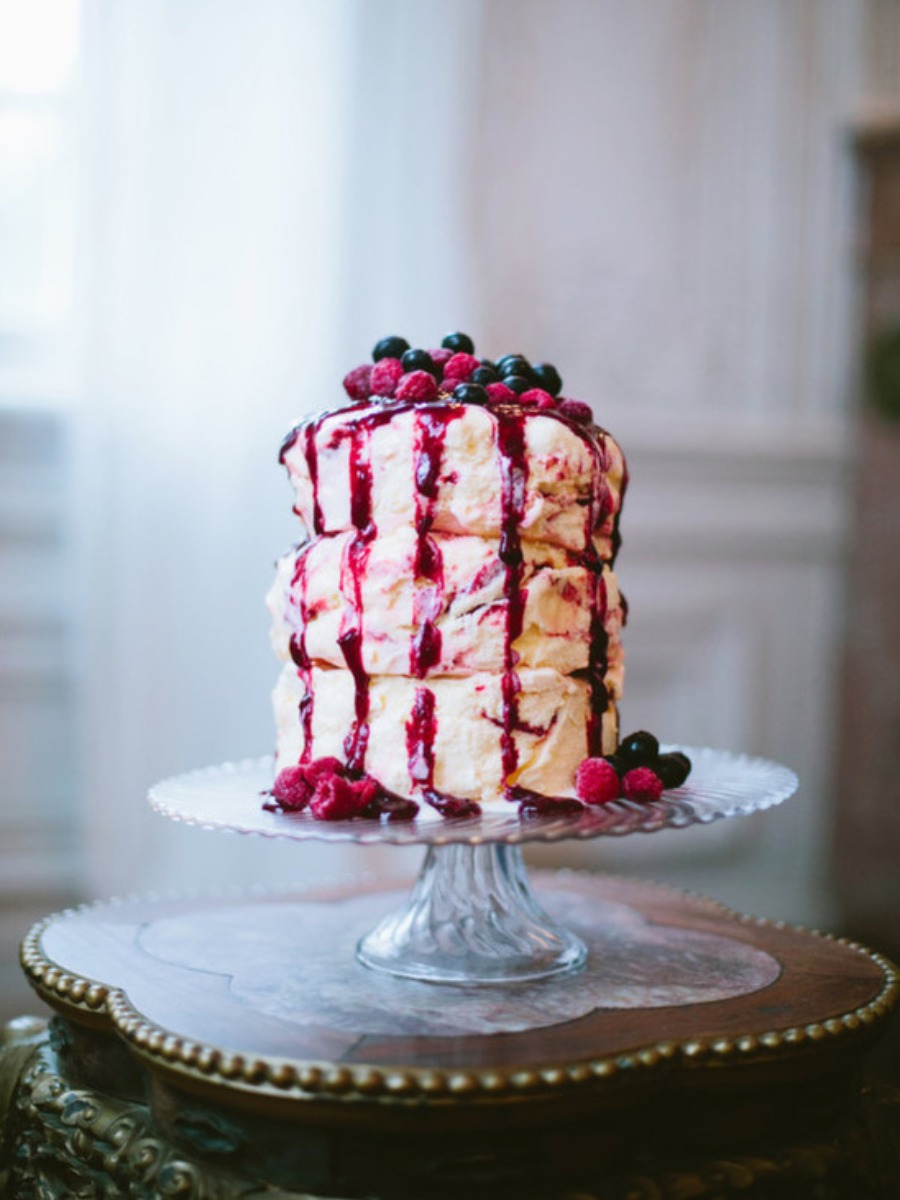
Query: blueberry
point(390, 347)
point(673, 769)
point(419, 360)
point(459, 343)
point(514, 364)
point(470, 393)
point(518, 383)
point(547, 377)
point(639, 749)
point(504, 359)
point(486, 362)
point(484, 375)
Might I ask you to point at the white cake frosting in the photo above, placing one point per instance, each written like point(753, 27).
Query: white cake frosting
point(450, 622)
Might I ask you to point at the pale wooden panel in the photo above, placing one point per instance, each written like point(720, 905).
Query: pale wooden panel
point(663, 199)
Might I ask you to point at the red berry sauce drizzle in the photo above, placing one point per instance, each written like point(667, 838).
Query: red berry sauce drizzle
point(514, 472)
point(301, 659)
point(431, 432)
point(513, 479)
point(353, 568)
point(425, 648)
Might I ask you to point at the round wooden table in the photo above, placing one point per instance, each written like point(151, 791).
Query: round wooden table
point(232, 1046)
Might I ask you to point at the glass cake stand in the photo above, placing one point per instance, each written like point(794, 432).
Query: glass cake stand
point(472, 917)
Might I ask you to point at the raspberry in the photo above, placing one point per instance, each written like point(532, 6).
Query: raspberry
point(386, 374)
point(596, 781)
point(356, 382)
point(576, 410)
point(642, 785)
point(461, 366)
point(501, 394)
point(441, 356)
point(537, 398)
point(417, 385)
point(366, 792)
point(318, 767)
point(292, 788)
point(336, 799)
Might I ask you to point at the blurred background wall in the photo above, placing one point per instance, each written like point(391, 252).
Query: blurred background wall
point(210, 210)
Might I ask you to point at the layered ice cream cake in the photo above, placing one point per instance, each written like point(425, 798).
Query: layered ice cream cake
point(449, 623)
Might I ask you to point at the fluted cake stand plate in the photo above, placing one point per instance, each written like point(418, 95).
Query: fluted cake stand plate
point(721, 784)
point(472, 917)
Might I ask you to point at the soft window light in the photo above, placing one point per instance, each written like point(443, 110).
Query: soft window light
point(38, 51)
point(38, 45)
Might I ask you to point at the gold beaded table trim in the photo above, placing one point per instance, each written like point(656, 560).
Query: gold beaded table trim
point(95, 1003)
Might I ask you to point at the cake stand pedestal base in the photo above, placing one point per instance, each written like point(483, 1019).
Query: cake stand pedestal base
point(472, 918)
point(234, 1047)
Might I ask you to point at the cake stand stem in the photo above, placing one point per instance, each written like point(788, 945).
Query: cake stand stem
point(472, 918)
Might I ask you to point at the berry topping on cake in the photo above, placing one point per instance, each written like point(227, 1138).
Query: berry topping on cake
point(639, 749)
point(537, 398)
point(294, 786)
point(331, 793)
point(641, 785)
point(461, 366)
point(597, 781)
point(386, 374)
point(673, 769)
point(357, 382)
point(514, 364)
point(458, 341)
point(390, 347)
point(336, 798)
point(518, 383)
point(499, 393)
point(484, 375)
point(417, 385)
point(470, 393)
point(420, 360)
point(576, 410)
point(547, 377)
point(441, 356)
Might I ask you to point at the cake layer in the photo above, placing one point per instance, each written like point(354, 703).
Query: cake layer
point(463, 606)
point(445, 734)
point(459, 467)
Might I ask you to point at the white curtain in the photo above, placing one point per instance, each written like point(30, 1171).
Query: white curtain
point(253, 202)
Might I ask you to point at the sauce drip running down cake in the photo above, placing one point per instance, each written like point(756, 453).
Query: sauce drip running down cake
point(450, 622)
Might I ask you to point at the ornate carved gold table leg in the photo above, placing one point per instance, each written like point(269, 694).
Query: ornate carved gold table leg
point(74, 1143)
point(17, 1045)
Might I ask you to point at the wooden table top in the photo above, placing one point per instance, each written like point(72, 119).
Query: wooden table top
point(258, 999)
